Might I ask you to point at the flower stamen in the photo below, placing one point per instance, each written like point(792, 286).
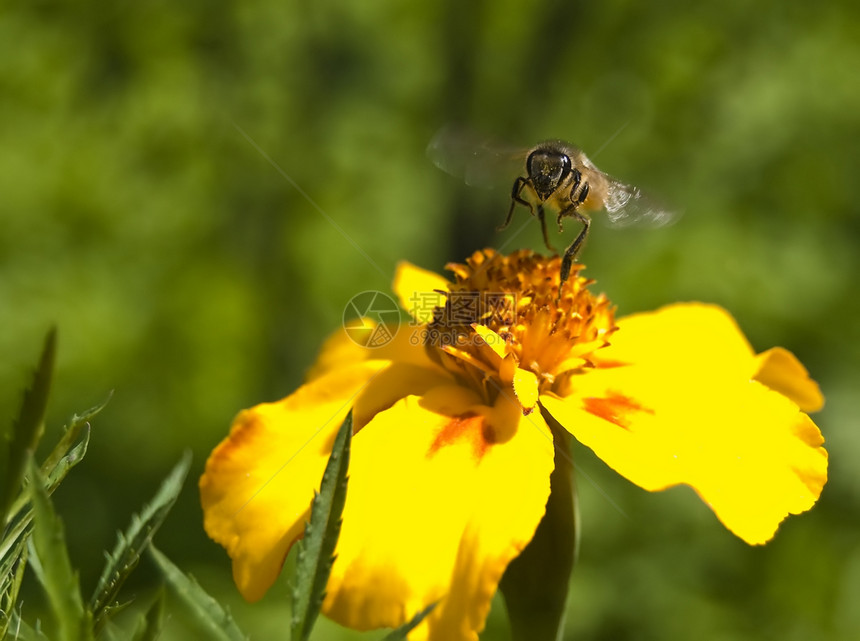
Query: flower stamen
point(503, 313)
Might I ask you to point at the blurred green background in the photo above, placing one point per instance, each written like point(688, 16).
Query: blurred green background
point(191, 277)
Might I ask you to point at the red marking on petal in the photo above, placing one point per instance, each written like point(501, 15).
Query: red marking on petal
point(242, 434)
point(608, 364)
point(472, 430)
point(616, 408)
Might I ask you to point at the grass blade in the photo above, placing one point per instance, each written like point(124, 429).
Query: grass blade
point(20, 443)
point(50, 561)
point(131, 544)
point(400, 633)
point(213, 620)
point(316, 549)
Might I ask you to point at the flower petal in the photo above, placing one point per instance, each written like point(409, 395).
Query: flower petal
point(780, 370)
point(526, 388)
point(339, 350)
point(492, 340)
point(393, 383)
point(259, 482)
point(689, 413)
point(429, 512)
point(418, 290)
point(688, 332)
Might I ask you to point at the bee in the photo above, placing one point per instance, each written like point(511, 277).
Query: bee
point(554, 176)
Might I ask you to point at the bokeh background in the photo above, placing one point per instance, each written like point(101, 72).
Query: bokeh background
point(150, 154)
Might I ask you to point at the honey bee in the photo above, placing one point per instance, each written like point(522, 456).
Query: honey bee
point(555, 176)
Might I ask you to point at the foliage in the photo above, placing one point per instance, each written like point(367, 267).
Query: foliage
point(190, 276)
point(34, 535)
point(316, 549)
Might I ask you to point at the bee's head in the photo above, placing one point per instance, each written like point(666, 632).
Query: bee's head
point(548, 166)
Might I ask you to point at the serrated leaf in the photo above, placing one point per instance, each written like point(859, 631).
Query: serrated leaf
point(20, 443)
point(70, 434)
point(131, 544)
point(149, 627)
point(13, 545)
point(110, 611)
point(53, 567)
point(214, 621)
point(21, 514)
point(316, 549)
point(400, 633)
point(75, 453)
point(66, 454)
point(54, 475)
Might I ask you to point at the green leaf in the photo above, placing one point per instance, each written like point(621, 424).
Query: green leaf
point(17, 445)
point(20, 630)
point(13, 546)
point(54, 464)
point(53, 475)
point(68, 452)
point(535, 583)
point(11, 573)
point(111, 633)
point(214, 621)
point(50, 561)
point(149, 627)
point(131, 544)
point(21, 514)
point(316, 549)
point(400, 633)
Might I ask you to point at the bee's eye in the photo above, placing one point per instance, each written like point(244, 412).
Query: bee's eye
point(548, 168)
point(565, 167)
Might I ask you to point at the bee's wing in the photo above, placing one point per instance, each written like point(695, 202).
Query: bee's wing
point(480, 162)
point(627, 205)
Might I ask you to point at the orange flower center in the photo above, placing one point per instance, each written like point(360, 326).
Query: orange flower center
point(504, 313)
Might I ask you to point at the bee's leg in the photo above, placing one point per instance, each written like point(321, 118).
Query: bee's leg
point(570, 210)
point(519, 183)
point(542, 218)
point(571, 252)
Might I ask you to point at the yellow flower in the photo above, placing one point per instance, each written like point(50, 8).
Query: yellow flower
point(452, 450)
